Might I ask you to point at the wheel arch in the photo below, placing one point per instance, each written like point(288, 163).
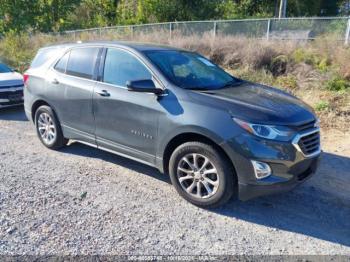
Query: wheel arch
point(41, 102)
point(182, 138)
point(38, 103)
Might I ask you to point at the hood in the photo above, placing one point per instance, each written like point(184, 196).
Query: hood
point(260, 104)
point(10, 79)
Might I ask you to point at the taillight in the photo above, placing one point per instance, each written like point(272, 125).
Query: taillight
point(25, 78)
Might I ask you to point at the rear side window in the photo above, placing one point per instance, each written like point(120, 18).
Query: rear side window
point(121, 66)
point(62, 63)
point(82, 61)
point(42, 57)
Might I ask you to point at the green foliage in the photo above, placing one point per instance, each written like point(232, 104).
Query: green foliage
point(288, 82)
point(321, 106)
point(178, 10)
point(39, 15)
point(337, 84)
point(269, 8)
point(305, 8)
point(256, 76)
point(320, 62)
point(17, 50)
point(323, 65)
point(58, 15)
point(93, 13)
point(247, 8)
point(301, 56)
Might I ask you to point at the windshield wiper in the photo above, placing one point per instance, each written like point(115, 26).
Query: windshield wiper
point(231, 83)
point(234, 82)
point(198, 88)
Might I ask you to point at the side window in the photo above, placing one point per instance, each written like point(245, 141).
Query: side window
point(62, 63)
point(121, 66)
point(81, 62)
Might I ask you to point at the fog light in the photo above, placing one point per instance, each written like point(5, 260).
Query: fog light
point(261, 169)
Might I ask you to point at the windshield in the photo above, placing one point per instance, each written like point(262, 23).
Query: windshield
point(4, 68)
point(190, 70)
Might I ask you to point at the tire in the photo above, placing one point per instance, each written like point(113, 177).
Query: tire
point(46, 121)
point(222, 182)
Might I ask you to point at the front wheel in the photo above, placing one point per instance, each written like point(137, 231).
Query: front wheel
point(201, 174)
point(48, 128)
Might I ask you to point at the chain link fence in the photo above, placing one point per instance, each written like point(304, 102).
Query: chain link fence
point(274, 28)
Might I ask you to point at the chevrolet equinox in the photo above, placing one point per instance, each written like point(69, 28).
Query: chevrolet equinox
point(214, 134)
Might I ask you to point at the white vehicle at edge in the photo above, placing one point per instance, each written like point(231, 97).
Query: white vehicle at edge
point(11, 87)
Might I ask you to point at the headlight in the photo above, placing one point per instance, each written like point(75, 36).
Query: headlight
point(281, 133)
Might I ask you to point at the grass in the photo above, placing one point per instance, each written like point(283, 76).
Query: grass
point(321, 106)
point(337, 84)
point(318, 72)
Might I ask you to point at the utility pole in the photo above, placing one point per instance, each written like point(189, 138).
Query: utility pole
point(277, 8)
point(283, 9)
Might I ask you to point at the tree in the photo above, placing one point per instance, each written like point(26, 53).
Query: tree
point(58, 15)
point(17, 15)
point(270, 8)
point(342, 7)
point(304, 8)
point(40, 15)
point(51, 15)
point(232, 9)
point(151, 11)
point(93, 13)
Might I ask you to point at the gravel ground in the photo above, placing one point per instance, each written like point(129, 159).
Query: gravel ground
point(85, 201)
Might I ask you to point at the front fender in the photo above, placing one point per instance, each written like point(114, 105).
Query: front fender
point(191, 129)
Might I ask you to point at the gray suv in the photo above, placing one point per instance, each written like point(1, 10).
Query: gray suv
point(214, 134)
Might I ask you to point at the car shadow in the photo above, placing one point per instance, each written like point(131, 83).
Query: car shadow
point(87, 151)
point(314, 209)
point(13, 114)
point(309, 209)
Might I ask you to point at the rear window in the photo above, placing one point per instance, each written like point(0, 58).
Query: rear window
point(42, 56)
point(4, 68)
point(82, 61)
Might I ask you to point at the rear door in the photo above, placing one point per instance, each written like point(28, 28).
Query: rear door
point(71, 87)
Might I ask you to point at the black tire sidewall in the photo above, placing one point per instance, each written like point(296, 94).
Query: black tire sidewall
point(225, 189)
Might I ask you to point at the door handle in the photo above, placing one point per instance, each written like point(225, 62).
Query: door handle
point(55, 81)
point(103, 93)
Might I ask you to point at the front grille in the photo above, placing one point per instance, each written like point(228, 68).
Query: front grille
point(310, 143)
point(11, 86)
point(13, 103)
point(9, 94)
point(306, 126)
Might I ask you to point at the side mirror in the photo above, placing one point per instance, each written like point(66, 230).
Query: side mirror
point(144, 86)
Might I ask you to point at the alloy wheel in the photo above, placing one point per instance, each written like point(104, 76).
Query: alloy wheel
point(46, 128)
point(198, 176)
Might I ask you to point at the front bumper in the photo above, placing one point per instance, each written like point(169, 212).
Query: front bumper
point(289, 166)
point(10, 98)
point(274, 184)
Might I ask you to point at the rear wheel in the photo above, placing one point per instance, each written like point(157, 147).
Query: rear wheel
point(201, 174)
point(48, 128)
